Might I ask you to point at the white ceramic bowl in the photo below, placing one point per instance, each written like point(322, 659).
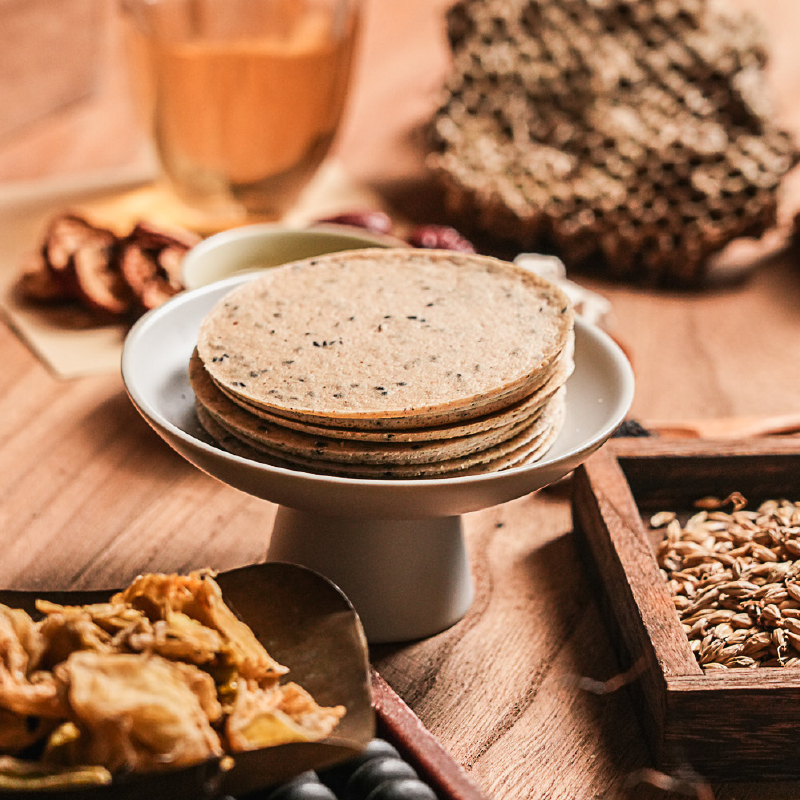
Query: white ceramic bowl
point(255, 247)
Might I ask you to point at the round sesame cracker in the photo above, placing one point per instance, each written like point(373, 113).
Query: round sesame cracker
point(527, 445)
point(221, 402)
point(376, 338)
point(289, 442)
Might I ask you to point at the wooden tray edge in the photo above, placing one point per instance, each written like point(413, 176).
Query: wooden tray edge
point(400, 725)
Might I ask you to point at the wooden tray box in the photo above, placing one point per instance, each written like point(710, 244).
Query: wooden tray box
point(738, 724)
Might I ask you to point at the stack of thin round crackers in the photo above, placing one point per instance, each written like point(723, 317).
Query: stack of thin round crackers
point(387, 364)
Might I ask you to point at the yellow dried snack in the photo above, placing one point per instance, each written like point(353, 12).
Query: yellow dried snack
point(151, 680)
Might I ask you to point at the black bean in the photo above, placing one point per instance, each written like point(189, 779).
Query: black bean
point(306, 791)
point(373, 773)
point(305, 786)
point(379, 748)
point(336, 777)
point(631, 427)
point(403, 789)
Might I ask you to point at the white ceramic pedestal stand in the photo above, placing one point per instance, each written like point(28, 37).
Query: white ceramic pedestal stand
point(395, 547)
point(406, 578)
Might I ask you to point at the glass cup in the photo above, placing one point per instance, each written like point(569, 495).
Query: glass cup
point(243, 97)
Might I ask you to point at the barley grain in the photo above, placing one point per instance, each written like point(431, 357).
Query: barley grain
point(734, 578)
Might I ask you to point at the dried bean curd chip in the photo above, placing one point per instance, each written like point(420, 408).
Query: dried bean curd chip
point(277, 715)
point(134, 713)
point(18, 774)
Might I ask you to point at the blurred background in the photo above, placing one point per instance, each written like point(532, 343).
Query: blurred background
point(68, 106)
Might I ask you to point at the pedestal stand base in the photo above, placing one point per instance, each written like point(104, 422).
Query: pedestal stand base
point(407, 579)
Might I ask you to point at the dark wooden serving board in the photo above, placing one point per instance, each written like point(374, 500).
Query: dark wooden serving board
point(737, 724)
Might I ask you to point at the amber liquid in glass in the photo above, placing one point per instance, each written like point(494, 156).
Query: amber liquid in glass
point(248, 117)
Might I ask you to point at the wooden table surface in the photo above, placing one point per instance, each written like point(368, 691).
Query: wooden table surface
point(90, 496)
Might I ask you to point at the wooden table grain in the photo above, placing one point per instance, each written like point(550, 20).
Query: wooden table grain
point(90, 496)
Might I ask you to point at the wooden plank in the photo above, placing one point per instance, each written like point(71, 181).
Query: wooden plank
point(58, 63)
point(656, 469)
point(495, 689)
point(742, 724)
point(634, 597)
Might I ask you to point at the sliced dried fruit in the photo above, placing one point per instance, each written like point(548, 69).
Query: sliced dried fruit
point(37, 281)
point(155, 237)
point(198, 596)
point(439, 237)
point(99, 285)
point(156, 292)
point(67, 235)
point(19, 648)
point(137, 267)
point(179, 637)
point(110, 617)
point(145, 682)
point(150, 262)
point(112, 276)
point(66, 632)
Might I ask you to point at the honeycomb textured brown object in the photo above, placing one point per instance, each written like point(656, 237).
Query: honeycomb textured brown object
point(632, 134)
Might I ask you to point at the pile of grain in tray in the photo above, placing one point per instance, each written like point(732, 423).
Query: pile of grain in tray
point(735, 581)
point(632, 134)
point(387, 364)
